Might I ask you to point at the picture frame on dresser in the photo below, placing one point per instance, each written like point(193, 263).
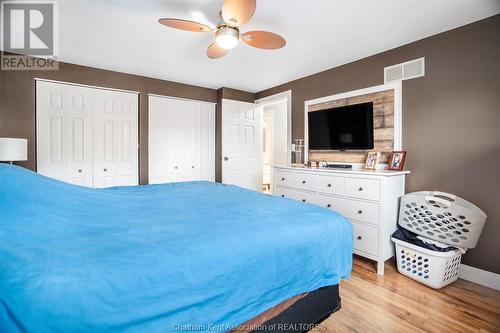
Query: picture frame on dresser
point(397, 160)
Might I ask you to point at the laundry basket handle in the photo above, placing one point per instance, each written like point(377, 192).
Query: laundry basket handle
point(428, 198)
point(452, 197)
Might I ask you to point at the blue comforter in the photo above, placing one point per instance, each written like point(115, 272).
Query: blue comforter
point(157, 258)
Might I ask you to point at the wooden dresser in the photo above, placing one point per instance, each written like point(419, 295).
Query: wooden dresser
point(369, 199)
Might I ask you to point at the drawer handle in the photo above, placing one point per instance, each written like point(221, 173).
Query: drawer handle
point(360, 189)
point(329, 185)
point(105, 170)
point(192, 167)
point(303, 200)
point(328, 206)
point(283, 179)
point(282, 195)
point(360, 211)
point(303, 182)
point(359, 238)
point(79, 170)
point(176, 167)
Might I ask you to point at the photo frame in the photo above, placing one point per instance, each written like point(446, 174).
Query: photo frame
point(372, 159)
point(397, 160)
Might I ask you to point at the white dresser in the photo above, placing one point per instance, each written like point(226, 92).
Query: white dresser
point(369, 199)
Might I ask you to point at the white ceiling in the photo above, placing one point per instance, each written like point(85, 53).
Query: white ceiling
point(124, 36)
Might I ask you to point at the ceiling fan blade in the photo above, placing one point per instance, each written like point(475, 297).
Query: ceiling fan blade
point(238, 12)
point(263, 40)
point(214, 51)
point(185, 25)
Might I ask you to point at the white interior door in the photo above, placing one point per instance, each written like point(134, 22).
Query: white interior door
point(104, 139)
point(64, 132)
point(241, 144)
point(87, 136)
point(127, 164)
point(78, 134)
point(207, 142)
point(181, 140)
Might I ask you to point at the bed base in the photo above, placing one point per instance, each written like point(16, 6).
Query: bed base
point(304, 314)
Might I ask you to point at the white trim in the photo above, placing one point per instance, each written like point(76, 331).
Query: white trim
point(480, 276)
point(182, 99)
point(398, 114)
point(86, 85)
point(276, 98)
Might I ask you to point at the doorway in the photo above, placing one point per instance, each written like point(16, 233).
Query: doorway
point(276, 135)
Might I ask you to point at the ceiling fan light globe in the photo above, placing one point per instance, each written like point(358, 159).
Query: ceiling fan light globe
point(227, 38)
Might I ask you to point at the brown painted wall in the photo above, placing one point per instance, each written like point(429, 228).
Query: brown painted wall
point(17, 101)
point(451, 117)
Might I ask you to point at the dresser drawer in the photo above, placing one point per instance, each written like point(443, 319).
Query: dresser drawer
point(359, 210)
point(303, 180)
point(282, 178)
point(295, 194)
point(365, 238)
point(330, 184)
point(362, 188)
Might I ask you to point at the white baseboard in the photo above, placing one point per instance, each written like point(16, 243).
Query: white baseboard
point(479, 276)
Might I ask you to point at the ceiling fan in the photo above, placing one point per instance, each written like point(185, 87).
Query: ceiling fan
point(234, 14)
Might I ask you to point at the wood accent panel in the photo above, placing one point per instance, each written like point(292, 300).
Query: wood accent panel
point(383, 128)
point(395, 303)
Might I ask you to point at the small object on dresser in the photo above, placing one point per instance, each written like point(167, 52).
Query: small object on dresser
point(372, 160)
point(397, 160)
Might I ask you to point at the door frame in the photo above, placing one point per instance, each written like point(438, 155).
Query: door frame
point(275, 99)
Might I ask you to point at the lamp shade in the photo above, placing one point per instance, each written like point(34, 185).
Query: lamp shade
point(12, 149)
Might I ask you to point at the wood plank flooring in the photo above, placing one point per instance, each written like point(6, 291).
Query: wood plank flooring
point(395, 303)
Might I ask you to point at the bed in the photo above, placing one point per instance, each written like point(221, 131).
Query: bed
point(162, 258)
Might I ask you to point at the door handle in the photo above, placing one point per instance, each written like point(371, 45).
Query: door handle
point(226, 158)
point(105, 170)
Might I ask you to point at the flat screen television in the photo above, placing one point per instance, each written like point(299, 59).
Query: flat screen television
point(341, 128)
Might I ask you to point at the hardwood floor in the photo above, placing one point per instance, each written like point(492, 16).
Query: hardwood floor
point(395, 303)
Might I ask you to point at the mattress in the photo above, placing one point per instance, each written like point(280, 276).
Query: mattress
point(160, 258)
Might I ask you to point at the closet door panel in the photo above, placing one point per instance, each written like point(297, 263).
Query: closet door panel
point(51, 114)
point(207, 142)
point(177, 140)
point(126, 139)
point(191, 163)
point(78, 136)
point(104, 139)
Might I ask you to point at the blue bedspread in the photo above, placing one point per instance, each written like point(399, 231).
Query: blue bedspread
point(158, 258)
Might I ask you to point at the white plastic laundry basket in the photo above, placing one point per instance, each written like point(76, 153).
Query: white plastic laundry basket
point(433, 268)
point(443, 217)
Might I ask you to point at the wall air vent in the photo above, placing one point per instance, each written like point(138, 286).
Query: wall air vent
point(405, 70)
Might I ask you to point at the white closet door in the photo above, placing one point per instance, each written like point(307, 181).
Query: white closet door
point(104, 139)
point(78, 136)
point(87, 136)
point(191, 145)
point(127, 139)
point(207, 142)
point(64, 132)
point(176, 152)
point(115, 138)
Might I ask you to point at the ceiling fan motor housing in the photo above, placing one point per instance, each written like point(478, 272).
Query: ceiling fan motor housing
point(227, 37)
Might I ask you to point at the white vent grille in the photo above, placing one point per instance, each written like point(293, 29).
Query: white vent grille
point(405, 70)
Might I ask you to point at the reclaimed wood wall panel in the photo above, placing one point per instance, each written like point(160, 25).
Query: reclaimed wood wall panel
point(383, 128)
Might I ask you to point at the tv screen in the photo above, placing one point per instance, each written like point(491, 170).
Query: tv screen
point(345, 127)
